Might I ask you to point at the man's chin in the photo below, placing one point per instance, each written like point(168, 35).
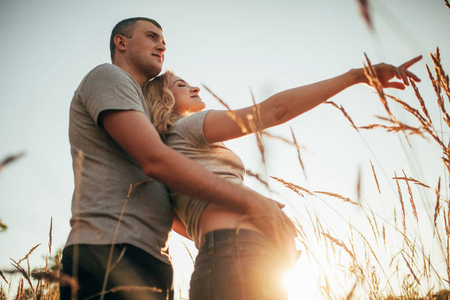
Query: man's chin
point(154, 72)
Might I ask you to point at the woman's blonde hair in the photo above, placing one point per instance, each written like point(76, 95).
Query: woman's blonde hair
point(160, 102)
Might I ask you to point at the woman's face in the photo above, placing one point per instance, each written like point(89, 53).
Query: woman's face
point(186, 96)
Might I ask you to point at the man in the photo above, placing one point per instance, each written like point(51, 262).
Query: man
point(117, 247)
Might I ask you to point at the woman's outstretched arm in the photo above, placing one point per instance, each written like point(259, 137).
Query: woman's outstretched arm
point(291, 103)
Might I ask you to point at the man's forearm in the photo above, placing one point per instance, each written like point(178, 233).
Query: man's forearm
point(187, 177)
point(136, 135)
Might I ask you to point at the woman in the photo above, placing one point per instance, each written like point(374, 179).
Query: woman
point(235, 259)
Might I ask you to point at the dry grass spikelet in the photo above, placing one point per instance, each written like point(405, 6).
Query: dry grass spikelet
point(296, 188)
point(257, 177)
point(372, 227)
point(411, 270)
point(436, 86)
point(401, 202)
point(421, 101)
point(437, 206)
point(253, 121)
point(298, 152)
point(396, 127)
point(20, 290)
point(415, 181)
point(375, 177)
point(276, 137)
point(411, 199)
point(345, 199)
point(299, 228)
point(24, 273)
point(364, 10)
point(50, 241)
point(366, 242)
point(447, 225)
point(350, 294)
point(443, 79)
point(255, 125)
point(446, 117)
point(29, 253)
point(371, 75)
point(110, 264)
point(344, 113)
point(231, 113)
point(127, 289)
point(4, 278)
point(358, 186)
point(426, 125)
point(10, 159)
point(256, 108)
point(440, 102)
point(133, 187)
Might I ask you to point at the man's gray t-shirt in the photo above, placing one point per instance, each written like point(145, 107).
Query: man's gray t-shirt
point(107, 171)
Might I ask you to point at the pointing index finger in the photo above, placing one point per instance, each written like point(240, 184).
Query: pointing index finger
point(409, 63)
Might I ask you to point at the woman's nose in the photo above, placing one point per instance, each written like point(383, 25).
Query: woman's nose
point(195, 89)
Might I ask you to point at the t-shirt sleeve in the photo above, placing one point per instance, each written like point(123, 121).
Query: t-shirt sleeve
point(191, 128)
point(108, 87)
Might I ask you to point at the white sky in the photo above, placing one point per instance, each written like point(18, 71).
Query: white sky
point(231, 47)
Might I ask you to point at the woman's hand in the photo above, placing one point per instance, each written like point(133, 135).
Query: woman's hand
point(267, 216)
point(385, 73)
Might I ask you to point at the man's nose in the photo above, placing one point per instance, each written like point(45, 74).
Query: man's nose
point(162, 47)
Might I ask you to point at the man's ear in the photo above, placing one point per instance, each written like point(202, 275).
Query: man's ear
point(121, 42)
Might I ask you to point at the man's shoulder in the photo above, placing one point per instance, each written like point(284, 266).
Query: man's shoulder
point(109, 74)
point(107, 69)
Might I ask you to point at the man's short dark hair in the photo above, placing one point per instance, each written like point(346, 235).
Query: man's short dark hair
point(125, 28)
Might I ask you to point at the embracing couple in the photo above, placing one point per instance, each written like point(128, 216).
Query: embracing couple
point(149, 159)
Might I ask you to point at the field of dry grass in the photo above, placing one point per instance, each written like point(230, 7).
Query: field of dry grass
point(389, 263)
point(385, 261)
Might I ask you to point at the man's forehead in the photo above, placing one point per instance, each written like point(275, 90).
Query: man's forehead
point(148, 26)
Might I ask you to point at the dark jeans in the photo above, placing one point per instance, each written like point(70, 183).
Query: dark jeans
point(232, 266)
point(133, 275)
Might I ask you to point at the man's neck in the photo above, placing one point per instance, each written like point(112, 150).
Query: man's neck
point(139, 78)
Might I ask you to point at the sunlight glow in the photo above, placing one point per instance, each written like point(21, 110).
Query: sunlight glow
point(300, 282)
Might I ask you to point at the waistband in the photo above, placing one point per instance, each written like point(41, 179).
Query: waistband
point(223, 237)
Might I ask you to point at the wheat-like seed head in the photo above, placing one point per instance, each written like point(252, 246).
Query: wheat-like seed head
point(340, 244)
point(126, 289)
point(296, 188)
point(402, 204)
point(437, 206)
point(375, 177)
point(345, 199)
point(3, 276)
point(411, 270)
point(25, 275)
point(298, 152)
point(411, 199)
point(28, 254)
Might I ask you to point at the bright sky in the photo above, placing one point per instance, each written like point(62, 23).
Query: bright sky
point(231, 47)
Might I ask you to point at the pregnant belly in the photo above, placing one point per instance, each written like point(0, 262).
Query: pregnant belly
point(215, 217)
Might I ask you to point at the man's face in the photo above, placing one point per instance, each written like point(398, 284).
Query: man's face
point(146, 48)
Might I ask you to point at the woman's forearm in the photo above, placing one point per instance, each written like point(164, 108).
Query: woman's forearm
point(291, 103)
